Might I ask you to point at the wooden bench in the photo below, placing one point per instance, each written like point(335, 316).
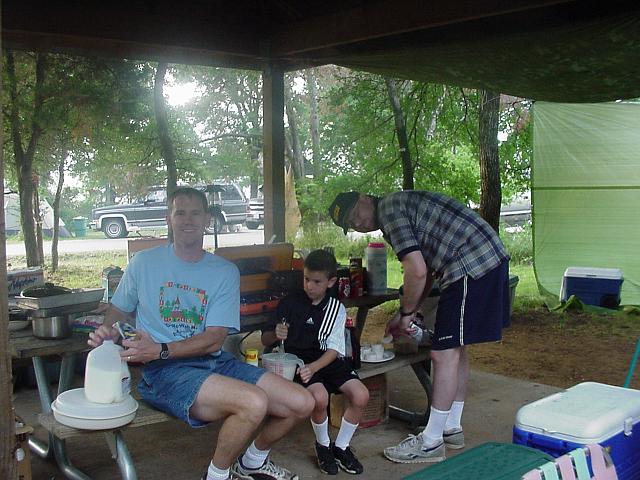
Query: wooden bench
point(146, 415)
point(420, 363)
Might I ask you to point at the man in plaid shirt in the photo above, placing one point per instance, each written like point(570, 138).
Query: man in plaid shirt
point(435, 236)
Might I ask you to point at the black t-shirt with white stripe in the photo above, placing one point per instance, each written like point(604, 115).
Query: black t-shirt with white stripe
point(313, 329)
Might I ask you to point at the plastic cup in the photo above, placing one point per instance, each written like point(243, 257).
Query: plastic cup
point(377, 351)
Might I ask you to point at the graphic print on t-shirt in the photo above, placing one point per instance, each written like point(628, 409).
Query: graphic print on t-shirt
point(182, 308)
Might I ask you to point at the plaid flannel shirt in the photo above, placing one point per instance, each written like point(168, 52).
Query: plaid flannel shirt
point(454, 240)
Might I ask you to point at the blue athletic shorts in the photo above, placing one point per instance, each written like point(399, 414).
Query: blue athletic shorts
point(473, 310)
point(172, 385)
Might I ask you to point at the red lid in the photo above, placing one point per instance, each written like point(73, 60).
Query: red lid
point(376, 244)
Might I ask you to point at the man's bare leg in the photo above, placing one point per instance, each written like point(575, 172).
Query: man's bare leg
point(243, 406)
point(288, 404)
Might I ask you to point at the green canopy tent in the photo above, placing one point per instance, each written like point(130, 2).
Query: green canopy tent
point(586, 192)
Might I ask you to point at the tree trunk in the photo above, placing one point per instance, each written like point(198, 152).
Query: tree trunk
point(314, 124)
point(38, 218)
point(24, 158)
point(7, 420)
point(56, 216)
point(490, 187)
point(401, 132)
point(297, 160)
point(166, 145)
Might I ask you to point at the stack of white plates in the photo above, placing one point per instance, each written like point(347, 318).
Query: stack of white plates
point(72, 408)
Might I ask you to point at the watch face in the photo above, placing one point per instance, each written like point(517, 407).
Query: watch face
point(164, 353)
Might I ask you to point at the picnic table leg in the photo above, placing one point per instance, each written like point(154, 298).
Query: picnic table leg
point(361, 318)
point(416, 419)
point(55, 447)
point(121, 455)
point(39, 447)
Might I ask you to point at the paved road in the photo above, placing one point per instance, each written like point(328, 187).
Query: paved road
point(244, 237)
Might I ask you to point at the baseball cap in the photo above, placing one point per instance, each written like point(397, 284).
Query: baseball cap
point(341, 207)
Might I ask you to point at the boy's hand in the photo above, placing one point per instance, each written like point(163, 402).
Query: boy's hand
point(282, 331)
point(306, 372)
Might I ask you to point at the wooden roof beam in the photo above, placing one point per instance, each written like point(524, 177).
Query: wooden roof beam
point(387, 18)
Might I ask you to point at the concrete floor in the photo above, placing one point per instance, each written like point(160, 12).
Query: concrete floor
point(173, 450)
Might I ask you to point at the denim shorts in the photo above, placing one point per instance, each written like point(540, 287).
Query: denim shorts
point(173, 385)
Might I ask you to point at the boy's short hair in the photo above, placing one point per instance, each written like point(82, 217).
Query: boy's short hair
point(188, 192)
point(322, 261)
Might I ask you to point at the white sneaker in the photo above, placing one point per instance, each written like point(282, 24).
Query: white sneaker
point(454, 438)
point(411, 450)
point(268, 471)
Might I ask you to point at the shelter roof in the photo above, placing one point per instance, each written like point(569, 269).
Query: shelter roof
point(557, 50)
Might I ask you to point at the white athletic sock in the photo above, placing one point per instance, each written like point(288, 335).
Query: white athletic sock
point(215, 473)
point(253, 458)
point(455, 416)
point(432, 434)
point(322, 432)
point(345, 434)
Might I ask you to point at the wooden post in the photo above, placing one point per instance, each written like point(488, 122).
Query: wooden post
point(273, 150)
point(7, 419)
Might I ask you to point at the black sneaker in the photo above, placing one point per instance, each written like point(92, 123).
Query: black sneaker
point(347, 461)
point(326, 460)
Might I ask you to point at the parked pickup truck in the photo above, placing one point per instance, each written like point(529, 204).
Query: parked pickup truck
point(255, 218)
point(227, 204)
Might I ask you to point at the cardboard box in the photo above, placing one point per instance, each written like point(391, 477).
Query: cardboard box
point(376, 411)
point(586, 413)
point(23, 455)
point(138, 244)
point(19, 279)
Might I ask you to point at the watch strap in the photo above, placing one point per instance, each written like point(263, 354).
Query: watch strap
point(405, 314)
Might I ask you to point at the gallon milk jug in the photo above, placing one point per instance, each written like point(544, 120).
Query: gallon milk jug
point(106, 377)
point(376, 268)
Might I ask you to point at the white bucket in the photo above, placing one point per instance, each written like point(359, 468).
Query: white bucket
point(283, 364)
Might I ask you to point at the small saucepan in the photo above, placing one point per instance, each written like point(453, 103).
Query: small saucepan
point(58, 326)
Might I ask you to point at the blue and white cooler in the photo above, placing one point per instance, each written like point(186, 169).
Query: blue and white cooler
point(584, 414)
point(593, 286)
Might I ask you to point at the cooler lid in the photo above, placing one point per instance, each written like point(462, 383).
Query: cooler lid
point(588, 412)
point(592, 272)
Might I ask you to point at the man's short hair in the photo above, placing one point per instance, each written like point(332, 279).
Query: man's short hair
point(322, 261)
point(188, 192)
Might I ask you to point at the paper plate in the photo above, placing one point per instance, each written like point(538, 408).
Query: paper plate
point(386, 356)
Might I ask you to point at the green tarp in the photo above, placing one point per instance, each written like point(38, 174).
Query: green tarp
point(586, 192)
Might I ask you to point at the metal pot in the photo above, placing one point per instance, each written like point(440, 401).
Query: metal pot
point(51, 327)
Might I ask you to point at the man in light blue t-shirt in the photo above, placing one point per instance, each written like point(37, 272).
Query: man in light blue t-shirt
point(186, 301)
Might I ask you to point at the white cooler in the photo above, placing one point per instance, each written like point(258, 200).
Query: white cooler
point(583, 414)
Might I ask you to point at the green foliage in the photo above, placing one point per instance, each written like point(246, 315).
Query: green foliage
point(519, 245)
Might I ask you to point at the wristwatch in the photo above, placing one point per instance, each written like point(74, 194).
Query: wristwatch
point(164, 352)
point(405, 314)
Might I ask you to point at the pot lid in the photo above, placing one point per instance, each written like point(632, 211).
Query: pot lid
point(74, 403)
point(46, 290)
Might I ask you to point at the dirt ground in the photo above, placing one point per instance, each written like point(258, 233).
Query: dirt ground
point(553, 349)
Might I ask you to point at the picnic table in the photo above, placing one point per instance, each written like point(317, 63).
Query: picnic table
point(23, 345)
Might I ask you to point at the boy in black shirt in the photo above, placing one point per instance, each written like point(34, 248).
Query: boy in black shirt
point(312, 325)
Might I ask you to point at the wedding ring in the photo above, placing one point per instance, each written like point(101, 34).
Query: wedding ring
point(129, 358)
